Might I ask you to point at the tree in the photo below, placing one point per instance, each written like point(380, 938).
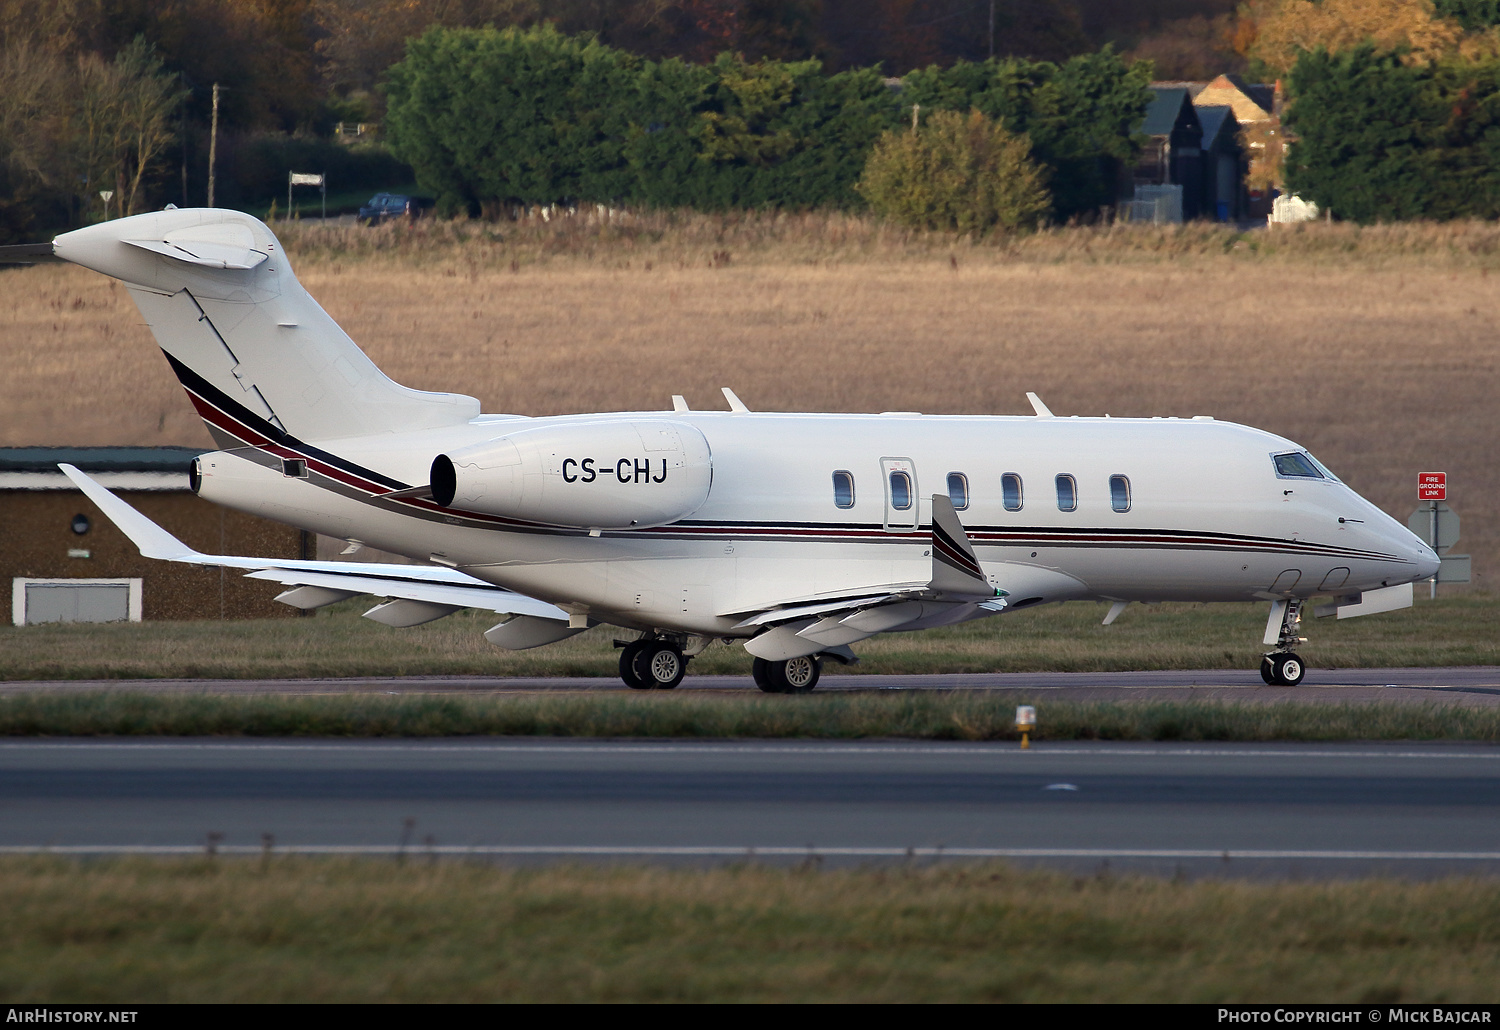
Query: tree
point(958, 173)
point(1286, 29)
point(490, 118)
point(146, 100)
point(1082, 116)
point(1378, 138)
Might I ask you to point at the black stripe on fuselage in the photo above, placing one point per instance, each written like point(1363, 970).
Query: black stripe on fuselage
point(229, 417)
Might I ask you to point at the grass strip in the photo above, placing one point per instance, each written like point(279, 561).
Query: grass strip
point(922, 715)
point(1454, 630)
point(341, 930)
point(693, 239)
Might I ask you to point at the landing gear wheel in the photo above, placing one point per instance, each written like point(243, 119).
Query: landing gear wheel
point(627, 665)
point(659, 666)
point(762, 677)
point(1267, 672)
point(1287, 670)
point(793, 676)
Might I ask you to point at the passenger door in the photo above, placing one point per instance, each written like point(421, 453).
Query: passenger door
point(902, 499)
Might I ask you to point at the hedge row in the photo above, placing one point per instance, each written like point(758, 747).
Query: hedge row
point(1379, 138)
point(493, 118)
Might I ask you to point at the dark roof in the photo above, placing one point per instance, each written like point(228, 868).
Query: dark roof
point(1263, 93)
point(1193, 88)
point(1163, 111)
point(1215, 118)
point(99, 459)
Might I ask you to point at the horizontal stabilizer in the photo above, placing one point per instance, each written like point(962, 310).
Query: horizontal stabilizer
point(27, 254)
point(210, 255)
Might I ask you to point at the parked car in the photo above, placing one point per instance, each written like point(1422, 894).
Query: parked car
point(390, 205)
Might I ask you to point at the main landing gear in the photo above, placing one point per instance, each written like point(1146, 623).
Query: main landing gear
point(652, 665)
point(1283, 667)
point(793, 676)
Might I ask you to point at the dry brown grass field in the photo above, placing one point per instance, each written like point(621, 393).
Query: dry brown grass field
point(1375, 348)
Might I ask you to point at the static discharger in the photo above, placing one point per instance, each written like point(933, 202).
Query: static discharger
point(1026, 723)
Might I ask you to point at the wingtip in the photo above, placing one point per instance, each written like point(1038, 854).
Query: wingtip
point(149, 538)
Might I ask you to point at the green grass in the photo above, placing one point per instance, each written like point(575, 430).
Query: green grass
point(920, 715)
point(310, 930)
point(1454, 630)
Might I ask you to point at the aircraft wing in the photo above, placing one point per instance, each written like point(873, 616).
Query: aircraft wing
point(958, 591)
point(430, 590)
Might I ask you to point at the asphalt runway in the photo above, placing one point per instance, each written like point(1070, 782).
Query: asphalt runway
point(1471, 686)
point(1413, 810)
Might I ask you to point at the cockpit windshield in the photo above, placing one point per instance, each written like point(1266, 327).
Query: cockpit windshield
point(1297, 465)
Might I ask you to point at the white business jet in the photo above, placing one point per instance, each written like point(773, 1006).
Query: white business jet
point(796, 535)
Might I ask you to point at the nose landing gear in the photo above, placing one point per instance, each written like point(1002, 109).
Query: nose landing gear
point(1282, 670)
point(1283, 667)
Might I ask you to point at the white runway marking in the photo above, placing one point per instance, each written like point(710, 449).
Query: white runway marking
point(690, 851)
point(1004, 748)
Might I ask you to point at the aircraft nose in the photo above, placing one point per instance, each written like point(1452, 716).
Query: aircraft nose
point(1426, 560)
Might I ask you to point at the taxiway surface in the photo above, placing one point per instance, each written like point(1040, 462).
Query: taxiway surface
point(1409, 809)
point(1473, 686)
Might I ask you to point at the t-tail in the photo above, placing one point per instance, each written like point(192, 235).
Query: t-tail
point(261, 360)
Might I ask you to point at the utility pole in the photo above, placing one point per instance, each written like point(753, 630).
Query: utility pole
point(182, 126)
point(213, 146)
point(992, 30)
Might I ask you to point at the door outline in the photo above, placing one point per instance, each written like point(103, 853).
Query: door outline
point(899, 520)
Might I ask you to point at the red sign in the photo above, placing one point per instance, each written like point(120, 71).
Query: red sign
point(1432, 486)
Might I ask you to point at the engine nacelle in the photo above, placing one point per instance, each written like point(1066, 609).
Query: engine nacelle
point(622, 474)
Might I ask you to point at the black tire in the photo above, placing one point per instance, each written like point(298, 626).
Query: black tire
point(628, 656)
point(1288, 669)
point(760, 670)
point(1268, 671)
point(793, 676)
point(659, 666)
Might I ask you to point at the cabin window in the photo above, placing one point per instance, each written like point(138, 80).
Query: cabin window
point(843, 489)
point(958, 490)
point(1067, 493)
point(900, 491)
point(1010, 491)
point(1296, 465)
point(1119, 493)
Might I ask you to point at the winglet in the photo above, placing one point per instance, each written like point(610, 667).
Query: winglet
point(955, 568)
point(153, 541)
point(1042, 411)
point(735, 404)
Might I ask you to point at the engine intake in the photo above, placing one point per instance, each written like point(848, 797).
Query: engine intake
point(624, 474)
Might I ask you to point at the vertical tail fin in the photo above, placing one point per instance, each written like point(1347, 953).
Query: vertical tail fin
point(255, 352)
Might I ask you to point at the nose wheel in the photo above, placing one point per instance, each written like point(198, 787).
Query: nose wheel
point(1283, 667)
point(1282, 670)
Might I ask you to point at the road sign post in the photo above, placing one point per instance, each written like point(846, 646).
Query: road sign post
point(306, 179)
point(1437, 524)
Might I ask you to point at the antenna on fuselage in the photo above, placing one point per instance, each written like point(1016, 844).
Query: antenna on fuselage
point(735, 404)
point(1042, 411)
